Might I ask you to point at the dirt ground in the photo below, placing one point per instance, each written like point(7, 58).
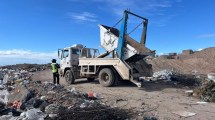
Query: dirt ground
point(159, 99)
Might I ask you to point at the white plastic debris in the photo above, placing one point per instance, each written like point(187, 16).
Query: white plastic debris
point(5, 79)
point(189, 92)
point(34, 114)
point(164, 74)
point(86, 103)
point(184, 113)
point(26, 81)
point(83, 105)
point(4, 96)
point(211, 76)
point(201, 102)
point(74, 91)
point(6, 117)
point(43, 98)
point(53, 116)
point(2, 86)
point(97, 96)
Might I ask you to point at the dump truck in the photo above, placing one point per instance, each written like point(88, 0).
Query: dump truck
point(123, 59)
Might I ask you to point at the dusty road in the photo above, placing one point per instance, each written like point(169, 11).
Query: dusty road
point(159, 99)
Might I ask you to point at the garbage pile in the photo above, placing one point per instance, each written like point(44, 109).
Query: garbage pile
point(38, 100)
point(27, 67)
point(20, 72)
point(165, 74)
point(183, 79)
point(9, 77)
point(206, 91)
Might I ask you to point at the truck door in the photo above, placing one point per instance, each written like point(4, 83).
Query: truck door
point(75, 56)
point(64, 56)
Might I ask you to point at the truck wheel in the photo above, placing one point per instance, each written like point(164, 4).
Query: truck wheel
point(69, 77)
point(90, 79)
point(106, 77)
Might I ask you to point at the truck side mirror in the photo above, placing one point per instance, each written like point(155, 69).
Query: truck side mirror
point(59, 53)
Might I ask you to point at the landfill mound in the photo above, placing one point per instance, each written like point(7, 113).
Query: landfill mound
point(28, 67)
point(206, 91)
point(202, 62)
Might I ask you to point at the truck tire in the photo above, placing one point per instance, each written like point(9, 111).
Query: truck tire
point(69, 77)
point(106, 77)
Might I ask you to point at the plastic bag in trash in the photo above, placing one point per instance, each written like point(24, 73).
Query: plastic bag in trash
point(2, 87)
point(10, 111)
point(33, 103)
point(6, 117)
point(34, 114)
point(74, 91)
point(5, 79)
point(4, 96)
point(164, 74)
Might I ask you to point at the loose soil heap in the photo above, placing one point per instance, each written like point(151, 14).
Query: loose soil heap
point(202, 61)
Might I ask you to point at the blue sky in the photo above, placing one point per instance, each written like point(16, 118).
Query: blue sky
point(32, 30)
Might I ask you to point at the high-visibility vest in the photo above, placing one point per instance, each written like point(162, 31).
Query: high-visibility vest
point(54, 67)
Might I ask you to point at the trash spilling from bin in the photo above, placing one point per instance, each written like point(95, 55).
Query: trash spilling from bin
point(164, 74)
point(177, 77)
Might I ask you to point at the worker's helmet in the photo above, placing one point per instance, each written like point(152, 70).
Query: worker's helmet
point(53, 60)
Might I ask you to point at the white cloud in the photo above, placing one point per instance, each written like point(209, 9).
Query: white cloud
point(83, 17)
point(147, 8)
point(25, 56)
point(161, 53)
point(206, 36)
point(200, 49)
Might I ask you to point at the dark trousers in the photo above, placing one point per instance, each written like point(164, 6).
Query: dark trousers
point(55, 75)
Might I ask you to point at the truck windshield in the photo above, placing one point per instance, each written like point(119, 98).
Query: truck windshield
point(89, 53)
point(75, 51)
point(65, 53)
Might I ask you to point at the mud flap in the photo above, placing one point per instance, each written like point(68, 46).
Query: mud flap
point(138, 83)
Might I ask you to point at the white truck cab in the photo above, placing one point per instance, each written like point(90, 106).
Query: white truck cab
point(69, 60)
